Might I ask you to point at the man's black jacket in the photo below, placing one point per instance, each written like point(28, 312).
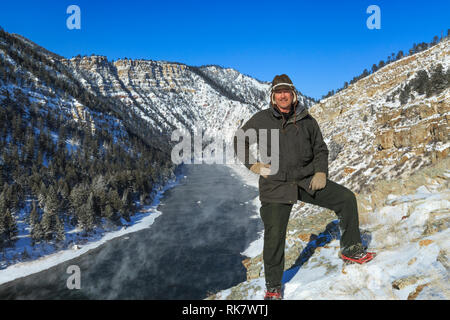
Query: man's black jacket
point(302, 152)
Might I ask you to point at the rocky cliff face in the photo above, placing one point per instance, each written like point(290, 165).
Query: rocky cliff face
point(172, 95)
point(378, 139)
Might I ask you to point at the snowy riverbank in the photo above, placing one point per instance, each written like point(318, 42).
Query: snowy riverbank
point(49, 256)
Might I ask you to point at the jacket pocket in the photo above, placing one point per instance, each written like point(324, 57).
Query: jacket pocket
point(273, 190)
point(299, 173)
point(279, 176)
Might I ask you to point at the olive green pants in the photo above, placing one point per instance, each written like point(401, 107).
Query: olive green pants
point(275, 217)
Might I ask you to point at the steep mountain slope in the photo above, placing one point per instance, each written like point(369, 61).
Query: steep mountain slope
point(70, 160)
point(172, 95)
point(372, 138)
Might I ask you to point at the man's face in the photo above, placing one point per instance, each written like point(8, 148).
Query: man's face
point(283, 99)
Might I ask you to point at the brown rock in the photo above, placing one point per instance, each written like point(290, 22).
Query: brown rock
point(304, 236)
point(246, 263)
point(413, 295)
point(410, 262)
point(348, 171)
point(404, 282)
point(425, 242)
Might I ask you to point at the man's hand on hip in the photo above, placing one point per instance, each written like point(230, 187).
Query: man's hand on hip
point(318, 181)
point(261, 168)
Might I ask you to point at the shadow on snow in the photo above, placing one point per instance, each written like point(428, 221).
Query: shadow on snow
point(330, 233)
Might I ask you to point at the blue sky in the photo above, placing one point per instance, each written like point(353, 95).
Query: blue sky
point(319, 44)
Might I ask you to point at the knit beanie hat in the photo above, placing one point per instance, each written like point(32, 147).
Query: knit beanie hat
point(282, 82)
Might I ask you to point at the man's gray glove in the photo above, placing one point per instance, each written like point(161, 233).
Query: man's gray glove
point(318, 181)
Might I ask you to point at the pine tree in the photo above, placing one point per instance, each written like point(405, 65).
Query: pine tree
point(61, 144)
point(36, 233)
point(50, 216)
point(3, 208)
point(114, 200)
point(78, 203)
point(365, 73)
point(34, 216)
point(405, 95)
point(46, 225)
point(142, 198)
point(8, 228)
point(10, 196)
point(438, 80)
point(435, 40)
point(52, 201)
point(60, 234)
point(29, 148)
point(374, 68)
point(86, 214)
point(420, 81)
point(8, 225)
point(109, 212)
point(429, 91)
point(78, 196)
point(65, 194)
point(127, 205)
point(42, 195)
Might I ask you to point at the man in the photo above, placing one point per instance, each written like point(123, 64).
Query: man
point(302, 175)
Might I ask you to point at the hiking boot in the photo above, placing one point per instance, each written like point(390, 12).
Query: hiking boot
point(273, 294)
point(356, 254)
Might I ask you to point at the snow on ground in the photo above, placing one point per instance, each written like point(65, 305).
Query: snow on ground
point(49, 256)
point(411, 237)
